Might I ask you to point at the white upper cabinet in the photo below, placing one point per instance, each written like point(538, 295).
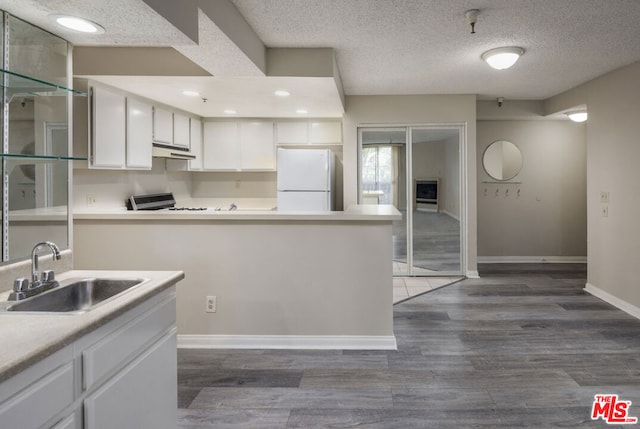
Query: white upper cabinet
point(196, 144)
point(257, 151)
point(292, 132)
point(108, 118)
point(303, 132)
point(220, 146)
point(162, 125)
point(238, 146)
point(325, 132)
point(139, 134)
point(181, 130)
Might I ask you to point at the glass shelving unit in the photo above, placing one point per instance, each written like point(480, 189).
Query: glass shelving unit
point(18, 85)
point(13, 159)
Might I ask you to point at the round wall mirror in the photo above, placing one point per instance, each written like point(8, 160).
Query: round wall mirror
point(502, 160)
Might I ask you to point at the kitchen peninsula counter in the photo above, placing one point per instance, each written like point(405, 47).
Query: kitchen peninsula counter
point(281, 279)
point(353, 213)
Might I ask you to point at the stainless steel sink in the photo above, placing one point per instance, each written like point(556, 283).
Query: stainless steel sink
point(79, 295)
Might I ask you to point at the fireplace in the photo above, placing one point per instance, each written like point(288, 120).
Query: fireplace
point(426, 194)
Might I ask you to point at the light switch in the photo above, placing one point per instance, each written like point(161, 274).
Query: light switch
point(605, 210)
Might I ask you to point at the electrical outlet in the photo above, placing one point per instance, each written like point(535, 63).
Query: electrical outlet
point(604, 197)
point(211, 304)
point(91, 200)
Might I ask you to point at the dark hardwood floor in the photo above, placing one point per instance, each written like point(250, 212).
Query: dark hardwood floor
point(523, 346)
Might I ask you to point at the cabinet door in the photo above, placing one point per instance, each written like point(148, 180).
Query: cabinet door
point(139, 134)
point(325, 132)
point(196, 144)
point(220, 146)
point(181, 130)
point(292, 132)
point(257, 151)
point(162, 125)
point(108, 140)
point(142, 395)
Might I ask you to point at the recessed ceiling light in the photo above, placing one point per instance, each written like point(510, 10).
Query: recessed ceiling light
point(577, 115)
point(502, 58)
point(229, 112)
point(282, 93)
point(301, 111)
point(77, 24)
point(190, 93)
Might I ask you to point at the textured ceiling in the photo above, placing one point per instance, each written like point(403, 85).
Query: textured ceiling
point(390, 46)
point(425, 46)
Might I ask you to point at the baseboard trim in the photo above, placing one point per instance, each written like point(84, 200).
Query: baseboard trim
point(532, 259)
point(451, 215)
point(473, 274)
point(308, 342)
point(613, 300)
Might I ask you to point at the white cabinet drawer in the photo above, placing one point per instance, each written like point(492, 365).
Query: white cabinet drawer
point(117, 349)
point(36, 404)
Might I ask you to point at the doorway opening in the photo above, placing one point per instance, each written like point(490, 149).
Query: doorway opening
point(418, 169)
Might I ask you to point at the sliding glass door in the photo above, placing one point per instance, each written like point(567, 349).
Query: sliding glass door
point(383, 171)
point(418, 170)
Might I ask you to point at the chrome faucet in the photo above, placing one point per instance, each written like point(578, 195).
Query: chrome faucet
point(35, 281)
point(39, 283)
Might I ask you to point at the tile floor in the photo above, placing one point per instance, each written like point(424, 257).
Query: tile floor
point(408, 287)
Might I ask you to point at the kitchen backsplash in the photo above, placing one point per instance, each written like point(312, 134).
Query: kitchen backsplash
point(107, 189)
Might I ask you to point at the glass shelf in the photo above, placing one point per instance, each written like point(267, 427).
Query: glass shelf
point(20, 85)
point(15, 159)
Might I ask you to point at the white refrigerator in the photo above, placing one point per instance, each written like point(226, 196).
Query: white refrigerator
point(305, 179)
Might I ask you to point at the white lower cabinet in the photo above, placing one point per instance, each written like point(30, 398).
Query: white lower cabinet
point(68, 423)
point(122, 375)
point(133, 397)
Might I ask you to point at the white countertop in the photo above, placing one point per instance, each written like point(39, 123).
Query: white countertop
point(362, 212)
point(29, 337)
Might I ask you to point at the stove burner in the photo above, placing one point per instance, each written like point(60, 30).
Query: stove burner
point(191, 209)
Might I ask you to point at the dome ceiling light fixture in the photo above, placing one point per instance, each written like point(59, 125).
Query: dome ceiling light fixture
point(502, 58)
point(577, 115)
point(77, 24)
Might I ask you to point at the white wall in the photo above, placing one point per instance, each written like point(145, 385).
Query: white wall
point(410, 110)
point(541, 213)
point(613, 154)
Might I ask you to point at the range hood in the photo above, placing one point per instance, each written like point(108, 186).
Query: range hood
point(171, 152)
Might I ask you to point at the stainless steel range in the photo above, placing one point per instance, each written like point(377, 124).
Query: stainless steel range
point(161, 201)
